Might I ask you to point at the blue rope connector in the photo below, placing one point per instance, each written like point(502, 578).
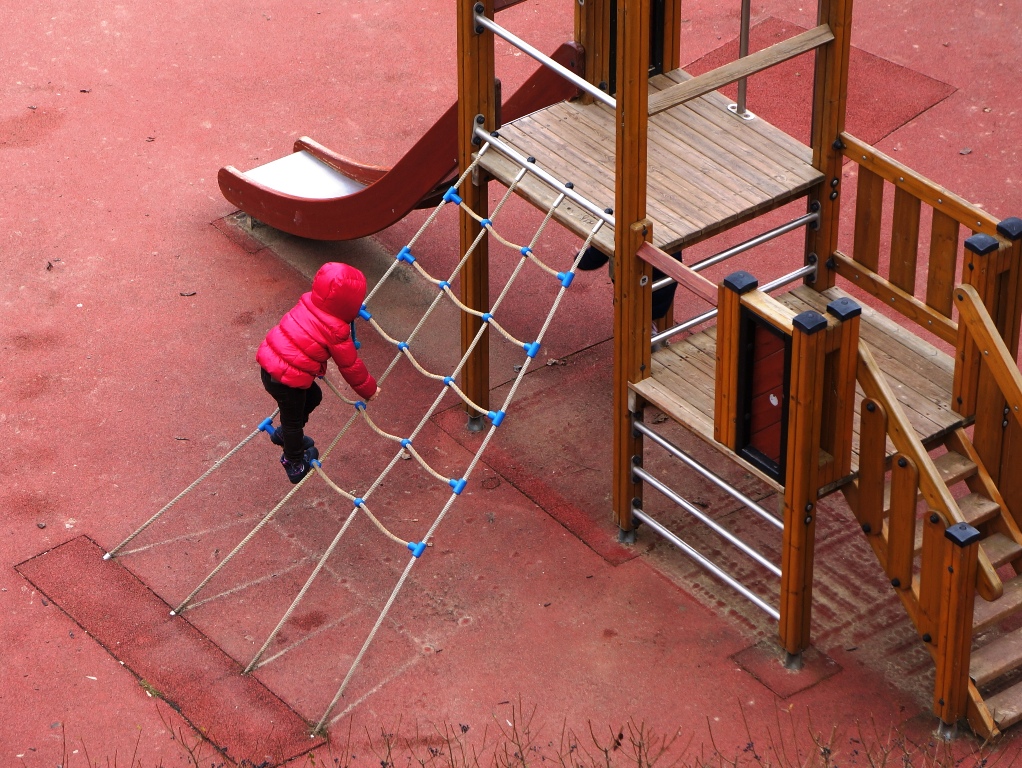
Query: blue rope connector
point(448, 380)
point(405, 442)
point(266, 425)
point(457, 485)
point(359, 405)
point(417, 549)
point(531, 349)
point(565, 278)
point(316, 463)
point(486, 317)
point(443, 284)
point(452, 196)
point(405, 255)
point(364, 313)
point(402, 345)
point(359, 502)
point(496, 417)
point(485, 223)
point(526, 251)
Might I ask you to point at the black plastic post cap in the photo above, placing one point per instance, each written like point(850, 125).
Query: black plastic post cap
point(741, 282)
point(809, 322)
point(962, 534)
point(981, 244)
point(844, 309)
point(1011, 228)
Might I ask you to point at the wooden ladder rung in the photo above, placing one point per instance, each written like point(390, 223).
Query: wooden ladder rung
point(996, 658)
point(985, 614)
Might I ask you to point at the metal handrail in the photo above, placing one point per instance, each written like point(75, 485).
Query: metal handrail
point(493, 139)
point(487, 23)
point(808, 269)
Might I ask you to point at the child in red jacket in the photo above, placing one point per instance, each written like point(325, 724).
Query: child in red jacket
point(296, 351)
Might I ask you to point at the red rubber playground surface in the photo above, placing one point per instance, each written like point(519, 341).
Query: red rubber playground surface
point(133, 304)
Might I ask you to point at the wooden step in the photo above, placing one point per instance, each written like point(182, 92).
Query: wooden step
point(953, 467)
point(1006, 706)
point(996, 658)
point(1000, 549)
point(986, 614)
point(977, 509)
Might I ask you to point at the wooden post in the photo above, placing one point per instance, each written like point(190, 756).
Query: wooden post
point(901, 526)
point(632, 283)
point(1009, 481)
point(954, 643)
point(931, 575)
point(476, 99)
point(830, 92)
point(805, 403)
point(839, 382)
point(592, 32)
point(872, 469)
point(728, 354)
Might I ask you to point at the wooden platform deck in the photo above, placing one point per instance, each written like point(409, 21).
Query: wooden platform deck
point(682, 380)
point(708, 169)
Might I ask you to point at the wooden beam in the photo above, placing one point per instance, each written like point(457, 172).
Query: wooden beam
point(680, 273)
point(905, 240)
point(736, 70)
point(869, 510)
point(476, 96)
point(869, 209)
point(901, 525)
point(632, 292)
point(592, 32)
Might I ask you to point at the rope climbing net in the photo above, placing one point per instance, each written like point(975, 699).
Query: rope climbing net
point(404, 443)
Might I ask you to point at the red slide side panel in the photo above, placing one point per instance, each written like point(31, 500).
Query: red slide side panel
point(391, 193)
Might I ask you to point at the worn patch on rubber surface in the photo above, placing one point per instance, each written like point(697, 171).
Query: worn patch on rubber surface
point(238, 715)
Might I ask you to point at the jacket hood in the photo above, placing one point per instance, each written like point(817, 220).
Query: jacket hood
point(339, 290)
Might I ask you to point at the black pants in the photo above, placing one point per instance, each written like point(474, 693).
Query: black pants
point(295, 407)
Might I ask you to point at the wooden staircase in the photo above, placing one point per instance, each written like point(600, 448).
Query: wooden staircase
point(905, 503)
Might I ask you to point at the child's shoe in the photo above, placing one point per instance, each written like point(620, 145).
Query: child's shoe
point(296, 470)
point(278, 439)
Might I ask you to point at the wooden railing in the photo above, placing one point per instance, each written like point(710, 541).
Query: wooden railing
point(931, 310)
point(939, 596)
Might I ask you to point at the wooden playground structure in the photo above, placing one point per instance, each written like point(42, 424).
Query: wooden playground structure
point(808, 390)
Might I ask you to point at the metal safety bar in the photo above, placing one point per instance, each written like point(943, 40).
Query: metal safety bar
point(811, 218)
point(493, 139)
point(708, 564)
point(808, 269)
point(657, 484)
point(729, 489)
point(487, 23)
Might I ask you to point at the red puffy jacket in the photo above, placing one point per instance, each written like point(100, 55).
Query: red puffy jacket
point(297, 349)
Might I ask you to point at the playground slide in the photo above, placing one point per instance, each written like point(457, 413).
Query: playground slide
point(318, 194)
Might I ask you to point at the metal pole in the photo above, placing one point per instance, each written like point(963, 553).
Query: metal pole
point(809, 269)
point(675, 451)
point(706, 520)
point(483, 21)
point(539, 173)
point(709, 565)
point(743, 51)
